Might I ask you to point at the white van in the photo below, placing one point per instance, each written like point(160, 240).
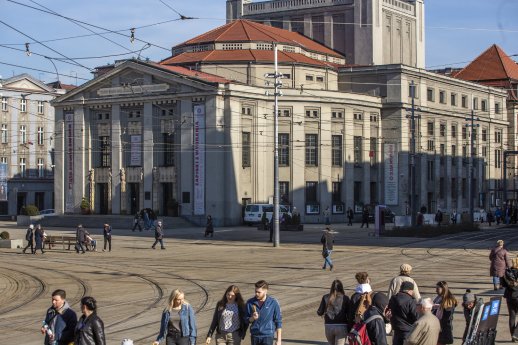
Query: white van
point(254, 212)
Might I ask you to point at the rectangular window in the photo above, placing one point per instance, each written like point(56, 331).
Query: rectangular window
point(464, 101)
point(475, 103)
point(464, 133)
point(358, 116)
point(337, 114)
point(320, 79)
point(336, 150)
point(4, 103)
point(497, 108)
point(41, 107)
point(442, 130)
point(498, 159)
point(40, 136)
point(429, 127)
point(484, 151)
point(357, 150)
point(23, 134)
point(430, 95)
point(483, 105)
point(453, 131)
point(337, 193)
point(5, 138)
point(413, 91)
point(284, 192)
point(23, 105)
point(284, 149)
point(105, 150)
point(441, 188)
point(168, 140)
point(442, 97)
point(311, 149)
point(311, 192)
point(23, 167)
point(484, 134)
point(443, 153)
point(454, 99)
point(453, 155)
point(454, 188)
point(464, 188)
point(373, 150)
point(245, 153)
point(498, 137)
point(41, 167)
point(431, 170)
point(431, 145)
point(309, 77)
point(357, 192)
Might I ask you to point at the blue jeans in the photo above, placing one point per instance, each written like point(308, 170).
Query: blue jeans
point(496, 280)
point(327, 260)
point(261, 340)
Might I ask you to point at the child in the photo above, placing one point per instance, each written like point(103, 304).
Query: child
point(468, 303)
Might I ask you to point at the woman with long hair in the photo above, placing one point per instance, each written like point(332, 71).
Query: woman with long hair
point(90, 328)
point(334, 307)
point(178, 324)
point(229, 320)
point(444, 307)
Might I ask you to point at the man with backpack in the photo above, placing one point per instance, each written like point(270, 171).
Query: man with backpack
point(510, 282)
point(376, 329)
point(404, 312)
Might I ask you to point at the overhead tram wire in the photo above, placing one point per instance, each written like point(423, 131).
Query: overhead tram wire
point(46, 46)
point(40, 70)
point(182, 17)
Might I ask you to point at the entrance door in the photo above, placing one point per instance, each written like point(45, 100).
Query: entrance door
point(39, 200)
point(103, 197)
point(169, 203)
point(134, 193)
point(21, 201)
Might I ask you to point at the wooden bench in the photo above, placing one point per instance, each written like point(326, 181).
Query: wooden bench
point(60, 239)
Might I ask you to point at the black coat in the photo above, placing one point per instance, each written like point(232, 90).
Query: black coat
point(404, 313)
point(338, 313)
point(90, 331)
point(510, 292)
point(214, 326)
point(446, 321)
point(376, 328)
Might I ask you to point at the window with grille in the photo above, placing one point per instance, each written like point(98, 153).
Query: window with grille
point(5, 104)
point(430, 128)
point(245, 150)
point(311, 192)
point(40, 136)
point(105, 151)
point(23, 105)
point(442, 130)
point(41, 107)
point(431, 145)
point(23, 167)
point(311, 149)
point(5, 138)
point(284, 149)
point(41, 167)
point(336, 150)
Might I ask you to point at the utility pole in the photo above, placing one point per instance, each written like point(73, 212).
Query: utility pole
point(413, 179)
point(471, 171)
point(277, 93)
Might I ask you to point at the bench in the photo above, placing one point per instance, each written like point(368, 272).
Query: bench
point(60, 239)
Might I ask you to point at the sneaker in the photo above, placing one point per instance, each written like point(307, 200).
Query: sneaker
point(162, 248)
point(323, 267)
point(152, 247)
point(331, 267)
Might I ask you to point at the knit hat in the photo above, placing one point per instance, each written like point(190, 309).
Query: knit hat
point(406, 286)
point(380, 301)
point(468, 297)
point(406, 268)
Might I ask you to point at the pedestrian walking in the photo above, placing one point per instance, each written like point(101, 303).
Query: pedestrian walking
point(365, 217)
point(107, 234)
point(327, 240)
point(453, 217)
point(60, 321)
point(425, 331)
point(376, 327)
point(159, 235)
point(499, 257)
point(443, 307)
point(350, 216)
point(39, 239)
point(498, 215)
point(90, 328)
point(80, 239)
point(334, 307)
point(361, 299)
point(468, 304)
point(178, 323)
point(29, 237)
point(490, 217)
point(404, 276)
point(263, 312)
point(510, 283)
point(229, 319)
point(438, 217)
point(136, 222)
point(327, 216)
point(209, 228)
point(403, 310)
point(147, 221)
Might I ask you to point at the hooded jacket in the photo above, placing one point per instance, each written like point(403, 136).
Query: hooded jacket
point(62, 322)
point(376, 328)
point(355, 300)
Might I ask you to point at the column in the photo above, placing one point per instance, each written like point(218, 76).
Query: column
point(116, 158)
point(59, 163)
point(79, 157)
point(185, 169)
point(148, 150)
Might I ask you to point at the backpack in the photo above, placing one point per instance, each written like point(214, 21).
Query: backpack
point(363, 304)
point(511, 277)
point(358, 334)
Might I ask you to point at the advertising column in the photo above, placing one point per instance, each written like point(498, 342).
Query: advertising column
point(391, 174)
point(199, 159)
point(3, 182)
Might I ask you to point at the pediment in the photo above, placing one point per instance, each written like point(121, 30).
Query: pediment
point(25, 84)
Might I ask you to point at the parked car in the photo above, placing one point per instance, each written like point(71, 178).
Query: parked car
point(254, 212)
point(48, 212)
point(389, 215)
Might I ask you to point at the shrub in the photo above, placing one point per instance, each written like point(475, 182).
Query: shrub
point(85, 204)
point(431, 230)
point(4, 235)
point(30, 210)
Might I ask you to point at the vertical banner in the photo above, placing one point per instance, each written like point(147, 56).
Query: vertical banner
point(69, 155)
point(136, 150)
point(390, 161)
point(3, 182)
point(199, 159)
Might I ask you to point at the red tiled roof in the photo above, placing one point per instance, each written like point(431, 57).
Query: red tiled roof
point(246, 31)
point(493, 64)
point(244, 56)
point(211, 78)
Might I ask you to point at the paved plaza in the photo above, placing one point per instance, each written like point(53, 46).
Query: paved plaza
point(133, 282)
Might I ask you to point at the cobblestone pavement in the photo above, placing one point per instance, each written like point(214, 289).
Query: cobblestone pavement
point(133, 281)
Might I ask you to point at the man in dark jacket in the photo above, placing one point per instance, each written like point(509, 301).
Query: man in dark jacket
point(159, 236)
point(80, 239)
point(60, 321)
point(365, 217)
point(376, 327)
point(404, 312)
point(511, 297)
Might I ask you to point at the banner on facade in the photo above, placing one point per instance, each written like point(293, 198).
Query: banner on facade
point(391, 174)
point(136, 150)
point(69, 149)
point(199, 159)
point(3, 182)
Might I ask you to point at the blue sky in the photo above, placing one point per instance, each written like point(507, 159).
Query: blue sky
point(456, 31)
